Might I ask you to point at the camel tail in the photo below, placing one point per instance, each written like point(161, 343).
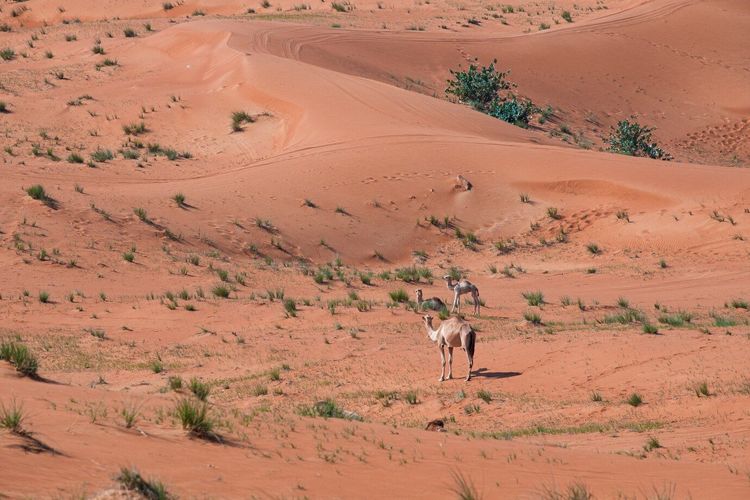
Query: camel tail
point(470, 343)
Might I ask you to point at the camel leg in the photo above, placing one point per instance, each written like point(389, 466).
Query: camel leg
point(455, 298)
point(475, 298)
point(442, 364)
point(450, 363)
point(470, 360)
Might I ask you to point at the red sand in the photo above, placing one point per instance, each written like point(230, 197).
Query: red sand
point(354, 120)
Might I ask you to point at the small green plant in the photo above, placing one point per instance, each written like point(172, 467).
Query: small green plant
point(75, 158)
point(533, 298)
point(484, 395)
point(157, 366)
point(634, 399)
point(20, 357)
point(650, 329)
point(532, 318)
point(553, 213)
point(174, 382)
point(239, 118)
point(37, 192)
point(701, 389)
point(399, 295)
point(290, 308)
point(593, 249)
point(44, 297)
point(128, 256)
point(194, 417)
point(179, 198)
point(102, 155)
point(12, 417)
point(632, 139)
point(221, 291)
point(199, 388)
point(651, 444)
point(566, 16)
point(135, 128)
point(97, 49)
point(411, 397)
point(7, 54)
point(327, 408)
point(129, 415)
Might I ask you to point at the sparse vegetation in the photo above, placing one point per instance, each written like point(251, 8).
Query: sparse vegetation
point(632, 139)
point(489, 91)
point(239, 118)
point(533, 298)
point(18, 355)
point(634, 399)
point(194, 417)
point(199, 388)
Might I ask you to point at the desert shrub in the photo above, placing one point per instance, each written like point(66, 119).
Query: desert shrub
point(488, 90)
point(129, 33)
point(484, 395)
point(342, 6)
point(135, 128)
point(20, 357)
point(399, 295)
point(513, 110)
point(167, 6)
point(220, 291)
point(194, 417)
point(650, 329)
point(44, 297)
point(75, 158)
point(634, 399)
point(290, 308)
point(97, 49)
point(11, 417)
point(532, 318)
point(327, 409)
point(566, 16)
point(102, 155)
point(593, 248)
point(179, 198)
point(635, 140)
point(175, 382)
point(128, 256)
point(478, 87)
point(199, 388)
point(596, 397)
point(533, 298)
point(239, 118)
point(7, 54)
point(37, 192)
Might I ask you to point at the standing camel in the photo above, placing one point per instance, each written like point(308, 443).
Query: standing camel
point(462, 287)
point(433, 303)
point(453, 332)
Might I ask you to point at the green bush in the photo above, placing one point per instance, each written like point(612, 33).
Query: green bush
point(488, 90)
point(632, 139)
point(20, 357)
point(37, 192)
point(194, 417)
point(399, 295)
point(199, 388)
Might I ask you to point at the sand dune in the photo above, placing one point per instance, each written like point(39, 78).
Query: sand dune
point(345, 172)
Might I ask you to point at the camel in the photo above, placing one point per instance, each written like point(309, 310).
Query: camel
point(460, 288)
point(433, 303)
point(453, 332)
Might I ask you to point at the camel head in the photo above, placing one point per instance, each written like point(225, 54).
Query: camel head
point(419, 294)
point(427, 320)
point(448, 278)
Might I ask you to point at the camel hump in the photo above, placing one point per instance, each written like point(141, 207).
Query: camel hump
point(463, 183)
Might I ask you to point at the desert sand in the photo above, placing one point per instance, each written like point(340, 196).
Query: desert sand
point(271, 278)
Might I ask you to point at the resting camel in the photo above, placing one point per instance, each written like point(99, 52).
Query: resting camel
point(433, 303)
point(453, 332)
point(460, 288)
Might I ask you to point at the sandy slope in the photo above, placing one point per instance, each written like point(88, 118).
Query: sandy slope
point(334, 126)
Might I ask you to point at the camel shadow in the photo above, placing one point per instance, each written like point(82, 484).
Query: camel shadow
point(483, 372)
